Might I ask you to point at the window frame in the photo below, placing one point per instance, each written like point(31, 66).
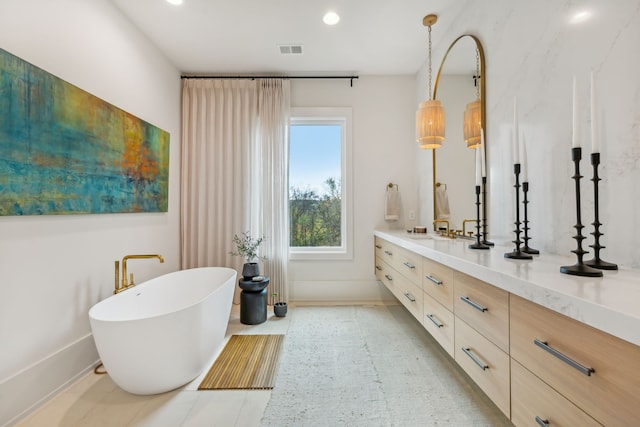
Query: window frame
point(341, 116)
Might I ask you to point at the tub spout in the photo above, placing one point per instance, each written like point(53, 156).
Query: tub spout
point(125, 284)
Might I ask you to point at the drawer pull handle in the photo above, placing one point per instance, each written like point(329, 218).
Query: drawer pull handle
point(541, 422)
point(434, 280)
point(388, 277)
point(473, 357)
point(378, 268)
point(379, 246)
point(410, 297)
point(409, 265)
point(434, 320)
point(474, 304)
point(388, 253)
point(566, 359)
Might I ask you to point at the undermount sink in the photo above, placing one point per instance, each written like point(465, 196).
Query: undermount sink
point(419, 236)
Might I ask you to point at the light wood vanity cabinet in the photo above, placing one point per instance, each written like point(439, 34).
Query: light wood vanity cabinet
point(534, 403)
point(385, 250)
point(485, 363)
point(409, 265)
point(483, 306)
point(482, 336)
point(429, 291)
point(596, 371)
point(383, 273)
point(410, 295)
point(437, 281)
point(539, 367)
point(439, 321)
point(395, 269)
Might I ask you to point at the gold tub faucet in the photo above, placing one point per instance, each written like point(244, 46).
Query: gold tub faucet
point(125, 284)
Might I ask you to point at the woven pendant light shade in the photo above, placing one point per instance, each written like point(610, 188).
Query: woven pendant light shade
point(430, 114)
point(430, 123)
point(472, 124)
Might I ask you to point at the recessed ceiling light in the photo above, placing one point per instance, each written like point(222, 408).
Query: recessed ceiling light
point(175, 2)
point(331, 18)
point(580, 17)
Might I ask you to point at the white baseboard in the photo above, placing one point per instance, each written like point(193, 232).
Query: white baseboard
point(23, 393)
point(325, 303)
point(339, 292)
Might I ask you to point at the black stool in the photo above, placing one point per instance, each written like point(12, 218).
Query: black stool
point(253, 301)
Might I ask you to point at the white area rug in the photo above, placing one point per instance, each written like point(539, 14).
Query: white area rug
point(370, 366)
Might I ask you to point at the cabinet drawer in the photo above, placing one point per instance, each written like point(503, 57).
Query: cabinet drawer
point(379, 246)
point(485, 363)
point(408, 264)
point(437, 281)
point(385, 274)
point(439, 322)
point(484, 306)
point(533, 401)
point(409, 295)
point(596, 371)
point(385, 250)
point(380, 268)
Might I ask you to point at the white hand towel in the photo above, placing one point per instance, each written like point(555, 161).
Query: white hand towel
point(442, 203)
point(392, 205)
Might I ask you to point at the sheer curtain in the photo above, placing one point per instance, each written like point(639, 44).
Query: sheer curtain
point(271, 180)
point(234, 172)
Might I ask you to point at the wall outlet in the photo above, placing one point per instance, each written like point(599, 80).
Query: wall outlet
point(412, 214)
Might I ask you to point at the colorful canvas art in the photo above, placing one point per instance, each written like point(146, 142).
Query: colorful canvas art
point(65, 151)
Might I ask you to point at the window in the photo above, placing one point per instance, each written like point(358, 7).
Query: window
point(319, 183)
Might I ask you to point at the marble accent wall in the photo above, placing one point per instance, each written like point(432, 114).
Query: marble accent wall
point(533, 50)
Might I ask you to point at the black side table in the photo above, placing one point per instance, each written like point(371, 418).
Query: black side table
point(253, 301)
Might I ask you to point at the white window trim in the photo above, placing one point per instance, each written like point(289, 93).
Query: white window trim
point(331, 115)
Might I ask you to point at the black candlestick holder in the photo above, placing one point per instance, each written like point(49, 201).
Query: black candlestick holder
point(527, 249)
point(517, 253)
point(596, 262)
point(478, 244)
point(580, 268)
point(484, 213)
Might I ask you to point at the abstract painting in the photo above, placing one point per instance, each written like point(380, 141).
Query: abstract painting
point(65, 151)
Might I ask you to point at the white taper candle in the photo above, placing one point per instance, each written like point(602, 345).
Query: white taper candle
point(478, 168)
point(595, 145)
point(574, 136)
point(525, 175)
point(483, 153)
point(516, 154)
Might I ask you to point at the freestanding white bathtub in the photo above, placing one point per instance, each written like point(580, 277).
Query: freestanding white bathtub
point(160, 334)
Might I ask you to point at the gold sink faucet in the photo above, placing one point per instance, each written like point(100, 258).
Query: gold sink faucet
point(445, 221)
point(125, 284)
point(464, 225)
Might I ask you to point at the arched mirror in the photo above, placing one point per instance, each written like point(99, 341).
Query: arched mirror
point(461, 89)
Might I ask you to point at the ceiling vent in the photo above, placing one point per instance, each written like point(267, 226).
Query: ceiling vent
point(290, 49)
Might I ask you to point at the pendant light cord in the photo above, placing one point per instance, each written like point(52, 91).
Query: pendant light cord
point(430, 98)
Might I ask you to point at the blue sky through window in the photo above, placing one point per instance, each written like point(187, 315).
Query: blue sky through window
point(314, 156)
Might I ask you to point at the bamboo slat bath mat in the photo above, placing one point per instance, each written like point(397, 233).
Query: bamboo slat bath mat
point(247, 362)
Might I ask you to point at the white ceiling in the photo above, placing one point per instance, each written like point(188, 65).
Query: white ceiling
point(243, 36)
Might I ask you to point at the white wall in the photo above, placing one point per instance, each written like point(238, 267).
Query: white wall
point(532, 52)
point(383, 141)
point(54, 268)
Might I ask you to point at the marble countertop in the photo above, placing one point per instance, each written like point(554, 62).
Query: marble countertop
point(610, 303)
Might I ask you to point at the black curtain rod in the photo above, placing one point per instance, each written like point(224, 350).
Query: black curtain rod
point(350, 78)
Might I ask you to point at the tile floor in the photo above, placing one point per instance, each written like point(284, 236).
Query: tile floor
point(96, 401)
